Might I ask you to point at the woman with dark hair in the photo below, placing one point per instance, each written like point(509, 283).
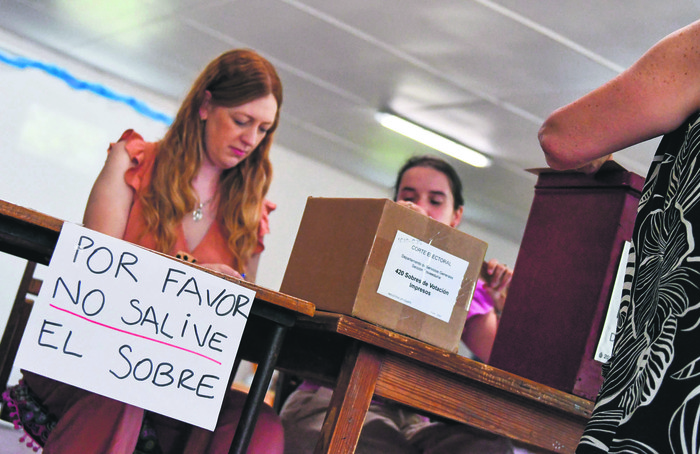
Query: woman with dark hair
point(197, 194)
point(432, 187)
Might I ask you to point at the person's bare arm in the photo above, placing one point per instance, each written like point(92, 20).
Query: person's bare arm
point(654, 96)
point(480, 333)
point(480, 330)
point(110, 200)
point(496, 277)
point(251, 269)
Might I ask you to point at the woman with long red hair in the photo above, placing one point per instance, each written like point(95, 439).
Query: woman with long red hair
point(198, 194)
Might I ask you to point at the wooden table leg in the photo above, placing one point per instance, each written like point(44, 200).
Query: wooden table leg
point(351, 398)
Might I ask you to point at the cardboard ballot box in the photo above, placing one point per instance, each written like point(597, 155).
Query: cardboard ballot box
point(564, 276)
point(386, 264)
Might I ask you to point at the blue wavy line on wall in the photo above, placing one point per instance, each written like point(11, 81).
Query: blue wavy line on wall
point(77, 84)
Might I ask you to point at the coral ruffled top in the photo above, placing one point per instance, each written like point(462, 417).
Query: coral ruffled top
point(213, 248)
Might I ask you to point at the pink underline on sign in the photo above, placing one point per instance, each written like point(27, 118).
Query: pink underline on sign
point(134, 334)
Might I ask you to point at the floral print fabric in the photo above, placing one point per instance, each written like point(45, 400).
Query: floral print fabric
point(650, 399)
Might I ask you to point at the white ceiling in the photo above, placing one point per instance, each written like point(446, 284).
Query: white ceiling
point(484, 72)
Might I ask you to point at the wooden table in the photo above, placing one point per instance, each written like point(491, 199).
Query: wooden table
point(32, 235)
point(361, 361)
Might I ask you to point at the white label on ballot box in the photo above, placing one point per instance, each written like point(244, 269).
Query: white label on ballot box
point(607, 336)
point(422, 276)
point(127, 323)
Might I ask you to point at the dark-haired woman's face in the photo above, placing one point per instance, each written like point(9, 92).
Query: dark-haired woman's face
point(430, 189)
point(232, 133)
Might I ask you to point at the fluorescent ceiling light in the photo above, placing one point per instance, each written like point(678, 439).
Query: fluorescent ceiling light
point(433, 140)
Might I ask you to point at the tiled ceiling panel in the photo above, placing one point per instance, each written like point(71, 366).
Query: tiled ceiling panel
point(486, 72)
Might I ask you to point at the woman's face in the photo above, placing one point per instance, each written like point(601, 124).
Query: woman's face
point(430, 189)
point(232, 133)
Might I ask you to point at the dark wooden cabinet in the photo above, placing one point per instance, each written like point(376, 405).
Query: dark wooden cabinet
point(564, 275)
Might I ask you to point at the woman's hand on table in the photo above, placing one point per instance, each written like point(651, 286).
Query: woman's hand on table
point(223, 269)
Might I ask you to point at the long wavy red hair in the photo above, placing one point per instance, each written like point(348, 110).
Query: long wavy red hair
point(234, 78)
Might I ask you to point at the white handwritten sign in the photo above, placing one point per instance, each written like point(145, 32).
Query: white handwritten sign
point(132, 325)
point(422, 276)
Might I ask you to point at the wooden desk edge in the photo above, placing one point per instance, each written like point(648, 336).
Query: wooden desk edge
point(30, 216)
point(450, 362)
point(53, 224)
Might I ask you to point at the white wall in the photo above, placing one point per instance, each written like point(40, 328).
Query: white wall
point(53, 141)
point(296, 178)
